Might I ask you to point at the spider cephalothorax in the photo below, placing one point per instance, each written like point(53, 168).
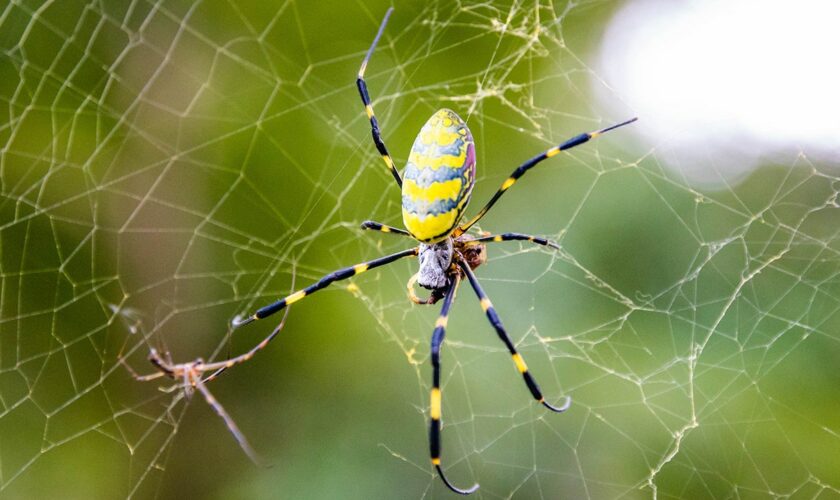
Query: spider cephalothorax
point(435, 264)
point(439, 265)
point(438, 182)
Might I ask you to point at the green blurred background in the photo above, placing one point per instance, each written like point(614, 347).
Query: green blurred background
point(166, 167)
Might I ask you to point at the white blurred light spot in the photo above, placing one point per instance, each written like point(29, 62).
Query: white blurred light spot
point(722, 85)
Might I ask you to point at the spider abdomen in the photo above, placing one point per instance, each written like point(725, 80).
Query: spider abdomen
point(438, 177)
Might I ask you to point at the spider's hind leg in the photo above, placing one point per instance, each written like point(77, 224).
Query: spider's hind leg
point(382, 228)
point(529, 164)
point(363, 93)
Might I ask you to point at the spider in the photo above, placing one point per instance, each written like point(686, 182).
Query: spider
point(436, 186)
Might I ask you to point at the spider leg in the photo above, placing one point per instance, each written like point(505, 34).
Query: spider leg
point(142, 378)
point(363, 92)
point(490, 311)
point(434, 296)
point(339, 275)
point(435, 400)
point(520, 171)
point(190, 375)
point(219, 367)
point(495, 238)
point(376, 226)
point(231, 425)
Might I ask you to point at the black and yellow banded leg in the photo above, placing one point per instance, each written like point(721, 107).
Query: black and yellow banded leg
point(334, 276)
point(219, 367)
point(490, 311)
point(376, 226)
point(436, 398)
point(495, 238)
point(528, 165)
point(363, 92)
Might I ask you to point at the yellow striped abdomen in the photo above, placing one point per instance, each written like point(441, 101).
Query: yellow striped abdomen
point(438, 178)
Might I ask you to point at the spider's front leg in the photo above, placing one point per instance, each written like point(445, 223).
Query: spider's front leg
point(436, 398)
point(493, 317)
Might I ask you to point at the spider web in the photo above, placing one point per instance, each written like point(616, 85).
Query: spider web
point(168, 166)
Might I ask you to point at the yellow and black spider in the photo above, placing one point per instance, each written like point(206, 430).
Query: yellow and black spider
point(436, 186)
